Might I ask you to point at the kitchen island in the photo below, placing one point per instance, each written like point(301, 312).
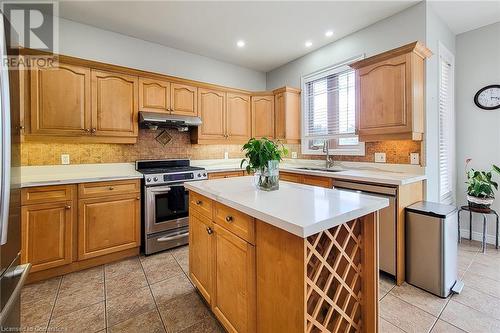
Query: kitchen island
point(299, 259)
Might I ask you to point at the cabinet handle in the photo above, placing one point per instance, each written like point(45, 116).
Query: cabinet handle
point(67, 207)
point(93, 130)
point(198, 202)
point(138, 198)
point(209, 231)
point(86, 130)
point(111, 188)
point(229, 218)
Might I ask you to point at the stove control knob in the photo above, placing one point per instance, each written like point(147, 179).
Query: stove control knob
point(155, 179)
point(204, 174)
point(199, 175)
point(148, 179)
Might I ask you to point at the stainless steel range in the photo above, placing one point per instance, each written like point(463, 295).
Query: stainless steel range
point(166, 202)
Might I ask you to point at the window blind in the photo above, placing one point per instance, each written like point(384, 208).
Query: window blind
point(446, 131)
point(330, 106)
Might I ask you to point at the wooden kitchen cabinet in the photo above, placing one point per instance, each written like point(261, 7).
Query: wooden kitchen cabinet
point(313, 180)
point(60, 101)
point(238, 117)
point(47, 234)
point(154, 95)
point(183, 99)
point(263, 116)
point(108, 224)
point(201, 254)
point(287, 115)
point(114, 104)
point(212, 111)
point(225, 174)
point(390, 94)
point(234, 297)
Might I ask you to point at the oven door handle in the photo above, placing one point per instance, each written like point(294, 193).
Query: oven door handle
point(169, 238)
point(159, 189)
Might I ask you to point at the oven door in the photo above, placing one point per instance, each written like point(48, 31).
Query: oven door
point(166, 208)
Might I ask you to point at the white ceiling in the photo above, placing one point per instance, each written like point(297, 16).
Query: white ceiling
point(462, 16)
point(274, 32)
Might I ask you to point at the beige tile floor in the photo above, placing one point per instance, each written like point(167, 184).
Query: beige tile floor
point(153, 294)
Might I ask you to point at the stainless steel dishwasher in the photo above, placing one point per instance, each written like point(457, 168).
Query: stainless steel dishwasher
point(387, 220)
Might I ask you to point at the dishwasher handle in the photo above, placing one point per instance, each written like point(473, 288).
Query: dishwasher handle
point(367, 188)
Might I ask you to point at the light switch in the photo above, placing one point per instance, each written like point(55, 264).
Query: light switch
point(294, 154)
point(415, 158)
point(65, 159)
point(379, 157)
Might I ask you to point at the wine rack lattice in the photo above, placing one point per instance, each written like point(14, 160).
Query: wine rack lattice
point(333, 281)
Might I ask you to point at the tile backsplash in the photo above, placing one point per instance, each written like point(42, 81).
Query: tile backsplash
point(36, 153)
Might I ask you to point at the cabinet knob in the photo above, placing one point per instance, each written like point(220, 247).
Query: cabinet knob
point(209, 231)
point(87, 130)
point(111, 188)
point(198, 202)
point(229, 218)
point(93, 130)
point(67, 207)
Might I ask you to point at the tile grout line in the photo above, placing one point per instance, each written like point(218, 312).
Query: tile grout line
point(153, 296)
point(105, 298)
point(55, 301)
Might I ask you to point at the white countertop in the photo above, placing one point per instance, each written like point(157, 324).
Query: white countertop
point(76, 173)
point(302, 210)
point(364, 172)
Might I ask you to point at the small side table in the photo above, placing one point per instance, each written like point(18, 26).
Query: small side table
point(484, 212)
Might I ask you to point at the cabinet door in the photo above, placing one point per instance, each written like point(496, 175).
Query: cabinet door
point(183, 99)
point(263, 117)
point(239, 117)
point(234, 298)
point(47, 235)
point(108, 224)
point(154, 95)
point(225, 174)
point(60, 100)
point(287, 117)
point(201, 254)
point(384, 97)
point(114, 104)
point(291, 177)
point(211, 106)
point(318, 181)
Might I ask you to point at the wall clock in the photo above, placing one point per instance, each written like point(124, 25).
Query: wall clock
point(488, 98)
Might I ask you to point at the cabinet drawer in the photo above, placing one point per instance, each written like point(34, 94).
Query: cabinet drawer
point(291, 177)
point(227, 174)
point(318, 181)
point(200, 204)
point(47, 194)
point(99, 189)
point(240, 224)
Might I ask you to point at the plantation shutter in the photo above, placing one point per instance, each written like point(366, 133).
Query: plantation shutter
point(446, 128)
point(330, 106)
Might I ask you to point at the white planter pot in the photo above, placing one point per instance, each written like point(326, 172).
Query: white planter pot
point(479, 202)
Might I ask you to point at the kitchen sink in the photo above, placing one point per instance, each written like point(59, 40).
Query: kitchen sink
point(321, 169)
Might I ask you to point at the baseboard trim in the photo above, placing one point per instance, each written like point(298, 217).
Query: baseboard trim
point(478, 236)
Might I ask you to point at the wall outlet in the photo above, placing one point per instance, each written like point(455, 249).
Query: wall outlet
point(294, 154)
point(415, 158)
point(64, 159)
point(379, 157)
point(226, 155)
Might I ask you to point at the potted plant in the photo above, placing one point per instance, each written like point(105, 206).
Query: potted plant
point(262, 157)
point(480, 187)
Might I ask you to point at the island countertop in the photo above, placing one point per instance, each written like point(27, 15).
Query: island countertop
point(302, 210)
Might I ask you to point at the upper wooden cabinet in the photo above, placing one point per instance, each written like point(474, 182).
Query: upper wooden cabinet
point(263, 116)
point(183, 99)
point(60, 100)
point(238, 117)
point(212, 111)
point(154, 95)
point(390, 94)
point(114, 104)
point(287, 115)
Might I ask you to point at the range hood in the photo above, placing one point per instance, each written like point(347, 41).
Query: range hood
point(154, 120)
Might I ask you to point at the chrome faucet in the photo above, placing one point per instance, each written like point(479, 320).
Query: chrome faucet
point(326, 149)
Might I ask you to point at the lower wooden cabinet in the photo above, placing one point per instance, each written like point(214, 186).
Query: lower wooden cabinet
point(47, 234)
point(225, 174)
point(201, 254)
point(107, 225)
point(319, 181)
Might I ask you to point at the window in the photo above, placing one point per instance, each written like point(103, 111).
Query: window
point(329, 102)
point(446, 126)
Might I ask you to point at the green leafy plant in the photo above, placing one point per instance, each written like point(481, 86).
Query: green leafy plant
point(258, 152)
point(480, 183)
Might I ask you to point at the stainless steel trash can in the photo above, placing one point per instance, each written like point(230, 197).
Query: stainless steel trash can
point(432, 247)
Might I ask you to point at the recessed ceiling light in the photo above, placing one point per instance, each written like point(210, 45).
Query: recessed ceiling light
point(329, 33)
point(240, 43)
point(308, 43)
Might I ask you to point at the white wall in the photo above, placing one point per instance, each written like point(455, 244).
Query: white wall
point(478, 131)
point(84, 41)
point(436, 32)
point(399, 29)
